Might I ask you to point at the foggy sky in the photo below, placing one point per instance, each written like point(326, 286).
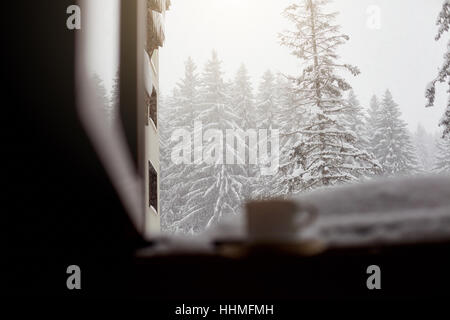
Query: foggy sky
point(99, 19)
point(402, 55)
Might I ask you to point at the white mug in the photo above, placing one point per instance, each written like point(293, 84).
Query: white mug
point(277, 220)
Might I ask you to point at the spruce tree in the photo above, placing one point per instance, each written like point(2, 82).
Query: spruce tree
point(187, 101)
point(442, 162)
point(179, 112)
point(354, 118)
point(267, 102)
point(373, 114)
point(355, 121)
point(268, 111)
point(243, 104)
point(326, 153)
point(394, 149)
point(243, 99)
point(288, 117)
point(169, 213)
point(215, 189)
point(423, 143)
point(443, 22)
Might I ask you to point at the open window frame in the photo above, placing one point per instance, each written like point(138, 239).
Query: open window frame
point(129, 150)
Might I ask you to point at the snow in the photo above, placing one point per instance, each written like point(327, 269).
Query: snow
point(382, 195)
point(327, 137)
point(382, 212)
point(386, 210)
point(178, 244)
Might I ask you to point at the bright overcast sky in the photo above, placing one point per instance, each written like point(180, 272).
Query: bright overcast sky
point(402, 55)
point(99, 20)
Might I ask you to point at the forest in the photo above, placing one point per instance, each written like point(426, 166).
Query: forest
point(327, 137)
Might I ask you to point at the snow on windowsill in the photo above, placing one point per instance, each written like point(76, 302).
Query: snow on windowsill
point(382, 212)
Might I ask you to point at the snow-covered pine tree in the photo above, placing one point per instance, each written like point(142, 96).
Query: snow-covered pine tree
point(288, 117)
point(267, 112)
point(423, 143)
point(243, 104)
point(174, 185)
point(181, 111)
point(187, 101)
point(355, 121)
point(320, 156)
point(442, 161)
point(267, 102)
point(443, 21)
point(373, 114)
point(168, 212)
point(114, 101)
point(101, 98)
point(394, 149)
point(276, 110)
point(215, 188)
point(243, 99)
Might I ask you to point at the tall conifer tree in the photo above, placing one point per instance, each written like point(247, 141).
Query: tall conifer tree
point(326, 153)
